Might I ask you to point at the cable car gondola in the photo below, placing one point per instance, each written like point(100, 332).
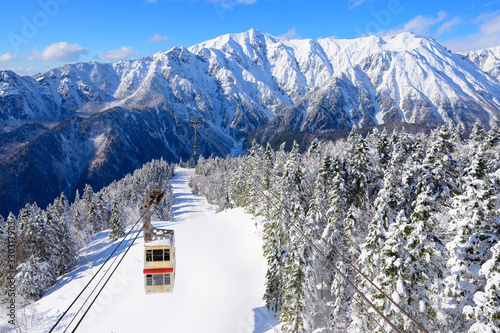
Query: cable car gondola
point(159, 252)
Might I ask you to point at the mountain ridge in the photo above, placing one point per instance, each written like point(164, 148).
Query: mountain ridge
point(237, 84)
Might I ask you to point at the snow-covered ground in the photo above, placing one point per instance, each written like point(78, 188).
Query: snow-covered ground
point(219, 283)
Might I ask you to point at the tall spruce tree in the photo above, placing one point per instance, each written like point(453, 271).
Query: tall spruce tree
point(299, 279)
point(317, 213)
point(474, 223)
point(359, 174)
point(487, 312)
point(64, 235)
point(425, 265)
point(34, 276)
point(299, 293)
point(117, 222)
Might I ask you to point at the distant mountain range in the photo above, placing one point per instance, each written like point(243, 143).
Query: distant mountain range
point(94, 122)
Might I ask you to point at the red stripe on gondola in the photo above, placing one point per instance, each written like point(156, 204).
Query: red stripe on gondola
point(158, 270)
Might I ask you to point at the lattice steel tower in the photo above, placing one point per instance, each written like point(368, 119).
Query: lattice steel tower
point(195, 149)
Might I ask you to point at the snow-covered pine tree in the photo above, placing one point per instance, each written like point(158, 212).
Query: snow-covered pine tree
point(384, 150)
point(267, 168)
point(299, 279)
point(117, 222)
point(424, 265)
point(335, 234)
point(478, 134)
point(493, 137)
point(265, 180)
point(359, 174)
point(49, 245)
point(238, 186)
point(24, 217)
point(294, 183)
point(275, 246)
point(34, 230)
point(389, 202)
point(65, 256)
point(83, 229)
point(312, 160)
point(89, 210)
point(289, 201)
point(337, 205)
point(440, 169)
point(275, 237)
point(391, 278)
point(34, 276)
point(104, 210)
point(299, 288)
point(474, 223)
point(487, 311)
point(253, 174)
point(316, 216)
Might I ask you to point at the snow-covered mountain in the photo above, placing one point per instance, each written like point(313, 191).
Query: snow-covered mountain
point(487, 59)
point(110, 118)
point(240, 81)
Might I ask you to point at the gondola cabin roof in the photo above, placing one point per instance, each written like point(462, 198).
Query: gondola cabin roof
point(159, 237)
point(159, 242)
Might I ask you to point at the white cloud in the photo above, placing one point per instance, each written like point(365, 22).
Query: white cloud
point(121, 53)
point(492, 25)
point(7, 57)
point(291, 34)
point(61, 51)
point(157, 38)
point(232, 3)
point(449, 26)
point(419, 24)
point(24, 70)
point(355, 3)
point(488, 35)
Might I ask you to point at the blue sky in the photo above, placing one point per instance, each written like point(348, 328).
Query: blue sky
point(36, 35)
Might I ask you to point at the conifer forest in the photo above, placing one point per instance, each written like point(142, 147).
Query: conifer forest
point(412, 218)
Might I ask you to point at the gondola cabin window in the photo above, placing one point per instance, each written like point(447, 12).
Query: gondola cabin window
point(157, 279)
point(159, 260)
point(158, 255)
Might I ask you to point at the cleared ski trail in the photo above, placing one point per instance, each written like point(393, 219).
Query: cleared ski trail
point(219, 282)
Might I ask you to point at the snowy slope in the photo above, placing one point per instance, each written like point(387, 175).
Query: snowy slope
point(487, 59)
point(406, 77)
point(237, 82)
point(219, 279)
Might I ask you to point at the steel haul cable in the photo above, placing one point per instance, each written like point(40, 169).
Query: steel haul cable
point(345, 259)
point(351, 294)
point(97, 273)
point(157, 200)
point(107, 280)
point(353, 266)
point(316, 248)
point(85, 302)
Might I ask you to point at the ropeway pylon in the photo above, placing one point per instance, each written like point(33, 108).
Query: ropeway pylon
point(195, 149)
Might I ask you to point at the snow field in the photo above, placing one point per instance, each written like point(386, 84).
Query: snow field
point(219, 282)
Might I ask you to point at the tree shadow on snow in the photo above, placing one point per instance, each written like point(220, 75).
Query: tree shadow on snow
point(264, 320)
point(92, 257)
